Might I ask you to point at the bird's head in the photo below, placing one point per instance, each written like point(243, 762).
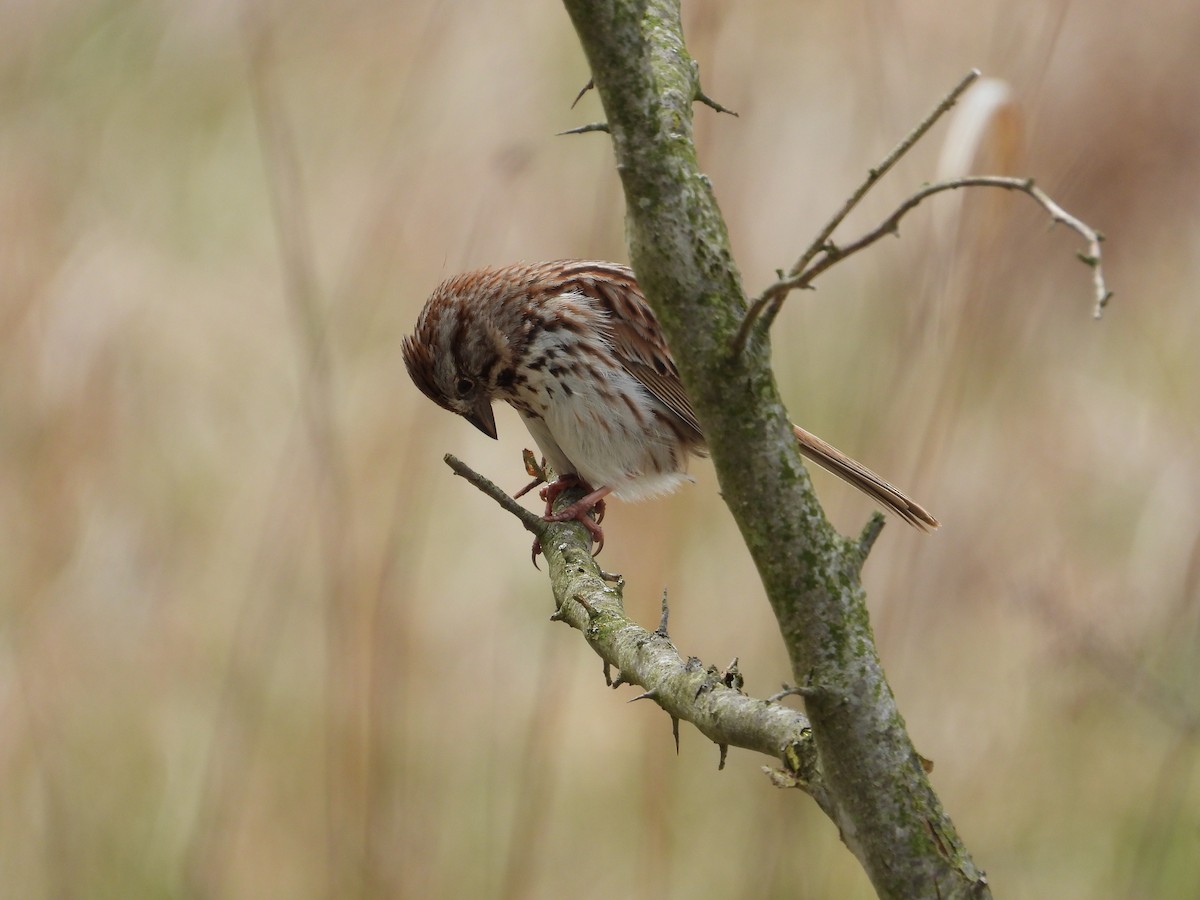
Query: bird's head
point(458, 355)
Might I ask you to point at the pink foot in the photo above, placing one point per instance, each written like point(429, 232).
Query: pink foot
point(578, 511)
point(563, 482)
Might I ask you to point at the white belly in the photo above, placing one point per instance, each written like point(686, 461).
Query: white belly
point(609, 445)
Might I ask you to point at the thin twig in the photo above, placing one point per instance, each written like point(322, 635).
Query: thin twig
point(834, 254)
point(776, 293)
point(890, 225)
point(531, 520)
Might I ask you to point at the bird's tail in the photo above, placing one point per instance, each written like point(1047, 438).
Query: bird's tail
point(854, 473)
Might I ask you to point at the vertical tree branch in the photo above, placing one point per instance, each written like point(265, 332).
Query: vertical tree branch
point(887, 813)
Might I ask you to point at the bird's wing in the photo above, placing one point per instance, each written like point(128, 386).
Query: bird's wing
point(637, 338)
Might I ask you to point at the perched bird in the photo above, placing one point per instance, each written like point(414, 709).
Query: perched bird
point(573, 346)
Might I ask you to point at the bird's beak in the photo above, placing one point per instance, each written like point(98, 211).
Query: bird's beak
point(482, 418)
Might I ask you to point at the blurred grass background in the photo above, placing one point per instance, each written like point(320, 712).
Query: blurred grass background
point(256, 641)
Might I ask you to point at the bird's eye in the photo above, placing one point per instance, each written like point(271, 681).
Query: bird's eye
point(464, 385)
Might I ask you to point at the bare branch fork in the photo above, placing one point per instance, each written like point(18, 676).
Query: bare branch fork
point(822, 254)
point(687, 689)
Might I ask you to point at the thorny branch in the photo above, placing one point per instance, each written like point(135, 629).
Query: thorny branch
point(684, 687)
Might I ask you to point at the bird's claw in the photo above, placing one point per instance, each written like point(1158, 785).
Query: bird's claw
point(576, 512)
point(581, 513)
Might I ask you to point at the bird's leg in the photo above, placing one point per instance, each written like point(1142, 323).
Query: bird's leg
point(579, 510)
point(529, 487)
point(562, 483)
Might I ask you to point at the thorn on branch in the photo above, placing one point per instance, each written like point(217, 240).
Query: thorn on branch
point(870, 534)
point(592, 612)
point(675, 732)
point(591, 84)
point(732, 678)
point(799, 691)
point(724, 754)
point(645, 695)
point(713, 104)
point(661, 630)
point(786, 691)
point(585, 129)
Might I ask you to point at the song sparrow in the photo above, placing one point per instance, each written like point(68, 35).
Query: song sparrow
point(573, 346)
